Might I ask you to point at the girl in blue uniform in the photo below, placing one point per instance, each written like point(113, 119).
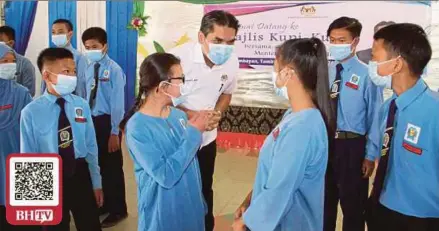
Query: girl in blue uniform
point(163, 145)
point(289, 185)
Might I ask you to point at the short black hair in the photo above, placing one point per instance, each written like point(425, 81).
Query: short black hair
point(408, 41)
point(8, 31)
point(66, 22)
point(96, 33)
point(219, 18)
point(51, 55)
point(350, 24)
point(382, 24)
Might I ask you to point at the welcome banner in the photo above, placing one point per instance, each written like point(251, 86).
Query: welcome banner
point(265, 26)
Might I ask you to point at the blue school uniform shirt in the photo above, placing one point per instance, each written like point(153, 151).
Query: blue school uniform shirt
point(359, 99)
point(13, 98)
point(39, 130)
point(81, 63)
point(168, 179)
point(289, 186)
point(110, 98)
point(411, 185)
point(25, 73)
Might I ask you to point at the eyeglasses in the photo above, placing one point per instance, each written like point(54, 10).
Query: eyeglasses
point(182, 78)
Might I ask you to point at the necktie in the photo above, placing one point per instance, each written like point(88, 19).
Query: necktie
point(385, 152)
point(94, 90)
point(65, 141)
point(335, 88)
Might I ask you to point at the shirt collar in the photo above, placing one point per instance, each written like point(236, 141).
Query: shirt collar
point(348, 64)
point(198, 54)
point(406, 98)
point(53, 98)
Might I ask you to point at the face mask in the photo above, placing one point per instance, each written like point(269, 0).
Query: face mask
point(176, 100)
point(380, 81)
point(340, 51)
point(66, 84)
point(219, 53)
point(59, 40)
point(282, 92)
point(94, 55)
point(8, 70)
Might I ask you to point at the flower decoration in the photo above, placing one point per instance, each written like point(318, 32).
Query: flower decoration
point(139, 23)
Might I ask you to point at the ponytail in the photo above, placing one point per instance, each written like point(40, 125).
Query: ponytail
point(321, 94)
point(133, 110)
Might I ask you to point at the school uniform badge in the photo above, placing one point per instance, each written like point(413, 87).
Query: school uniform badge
point(106, 76)
point(353, 82)
point(5, 107)
point(79, 115)
point(412, 136)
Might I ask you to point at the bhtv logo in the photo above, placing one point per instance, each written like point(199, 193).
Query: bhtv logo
point(38, 215)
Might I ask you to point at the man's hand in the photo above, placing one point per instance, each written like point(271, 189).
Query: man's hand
point(113, 143)
point(214, 118)
point(368, 167)
point(99, 195)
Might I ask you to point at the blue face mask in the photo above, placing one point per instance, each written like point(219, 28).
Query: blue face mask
point(380, 81)
point(94, 55)
point(8, 71)
point(282, 92)
point(219, 53)
point(66, 84)
point(60, 40)
point(340, 51)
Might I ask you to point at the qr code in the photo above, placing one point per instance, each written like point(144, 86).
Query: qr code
point(33, 181)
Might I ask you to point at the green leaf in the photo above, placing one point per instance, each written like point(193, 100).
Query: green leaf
point(158, 47)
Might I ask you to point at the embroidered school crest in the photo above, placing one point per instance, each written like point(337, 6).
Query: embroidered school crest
point(334, 89)
point(353, 82)
point(64, 136)
point(79, 117)
point(412, 133)
point(106, 73)
point(183, 123)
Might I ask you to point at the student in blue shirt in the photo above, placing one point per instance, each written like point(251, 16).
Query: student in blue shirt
point(60, 122)
point(290, 178)
point(356, 101)
point(13, 98)
point(405, 194)
point(163, 145)
point(25, 69)
point(62, 33)
point(105, 85)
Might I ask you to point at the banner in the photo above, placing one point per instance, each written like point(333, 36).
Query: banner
point(265, 26)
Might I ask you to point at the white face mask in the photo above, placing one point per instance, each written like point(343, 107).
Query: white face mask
point(380, 81)
point(176, 100)
point(8, 71)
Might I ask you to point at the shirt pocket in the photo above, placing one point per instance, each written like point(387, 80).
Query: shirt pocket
point(414, 147)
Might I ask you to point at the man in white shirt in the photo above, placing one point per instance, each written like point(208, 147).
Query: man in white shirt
point(211, 68)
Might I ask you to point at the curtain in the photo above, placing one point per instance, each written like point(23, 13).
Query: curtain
point(64, 10)
point(122, 43)
point(20, 15)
